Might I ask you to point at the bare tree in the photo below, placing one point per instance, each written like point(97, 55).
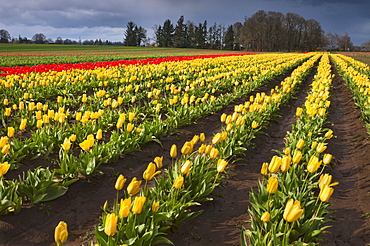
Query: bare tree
point(39, 38)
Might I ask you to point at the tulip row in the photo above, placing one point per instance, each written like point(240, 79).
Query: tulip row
point(290, 205)
point(357, 76)
point(108, 122)
point(142, 215)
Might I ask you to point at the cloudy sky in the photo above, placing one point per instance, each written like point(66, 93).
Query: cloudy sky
point(107, 19)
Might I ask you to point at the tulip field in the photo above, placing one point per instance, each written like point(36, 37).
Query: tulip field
point(75, 162)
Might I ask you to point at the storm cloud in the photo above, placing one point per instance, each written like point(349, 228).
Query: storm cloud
point(107, 19)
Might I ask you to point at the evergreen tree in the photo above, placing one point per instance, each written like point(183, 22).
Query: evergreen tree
point(179, 36)
point(130, 34)
point(167, 35)
point(229, 38)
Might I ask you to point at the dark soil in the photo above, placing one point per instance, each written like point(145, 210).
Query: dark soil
point(80, 207)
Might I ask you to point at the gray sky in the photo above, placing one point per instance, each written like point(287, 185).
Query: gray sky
point(107, 19)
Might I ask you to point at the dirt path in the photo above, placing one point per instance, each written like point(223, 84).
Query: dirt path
point(217, 225)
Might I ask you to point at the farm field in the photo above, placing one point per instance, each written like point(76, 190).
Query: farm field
point(167, 103)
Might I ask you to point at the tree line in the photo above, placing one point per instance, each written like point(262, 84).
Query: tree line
point(263, 31)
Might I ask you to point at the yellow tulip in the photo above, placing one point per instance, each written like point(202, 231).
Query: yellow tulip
point(221, 164)
point(213, 153)
point(185, 168)
point(292, 211)
point(272, 185)
point(39, 123)
point(300, 144)
point(110, 224)
point(134, 187)
point(6, 102)
point(313, 164)
point(195, 139)
point(327, 159)
point(10, 131)
point(131, 116)
point(61, 233)
point(173, 151)
point(264, 168)
point(66, 145)
point(120, 182)
point(328, 134)
point(216, 138)
point(150, 171)
point(85, 145)
point(158, 161)
point(155, 207)
point(178, 182)
point(285, 163)
point(297, 156)
point(124, 208)
point(120, 123)
point(320, 148)
point(138, 204)
point(274, 164)
point(265, 217)
point(187, 148)
point(7, 111)
point(325, 179)
point(99, 134)
point(72, 138)
point(255, 124)
point(5, 149)
point(298, 112)
point(129, 127)
point(202, 149)
point(223, 117)
point(23, 124)
point(4, 167)
point(202, 137)
point(325, 193)
point(287, 151)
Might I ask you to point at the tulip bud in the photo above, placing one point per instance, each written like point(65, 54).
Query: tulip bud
point(158, 161)
point(124, 207)
point(129, 127)
point(173, 151)
point(255, 124)
point(213, 153)
point(61, 233)
point(138, 204)
point(285, 163)
point(195, 139)
point(297, 156)
point(23, 124)
point(272, 185)
point(264, 168)
point(187, 148)
point(120, 182)
point(134, 187)
point(327, 159)
point(10, 131)
point(4, 167)
point(131, 116)
point(313, 164)
point(298, 112)
point(274, 164)
point(216, 138)
point(265, 217)
point(300, 144)
point(5, 149)
point(223, 117)
point(99, 134)
point(202, 137)
point(155, 207)
point(325, 179)
point(186, 167)
point(178, 182)
point(110, 224)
